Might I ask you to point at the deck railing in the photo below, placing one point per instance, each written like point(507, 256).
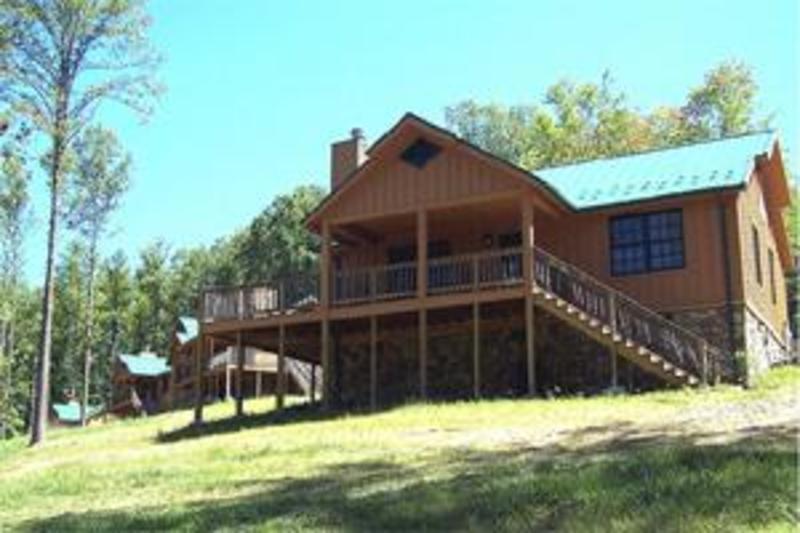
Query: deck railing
point(626, 317)
point(630, 319)
point(287, 294)
point(445, 275)
point(475, 271)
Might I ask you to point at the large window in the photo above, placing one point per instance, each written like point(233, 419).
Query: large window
point(647, 243)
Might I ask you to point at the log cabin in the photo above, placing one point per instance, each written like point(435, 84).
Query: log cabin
point(140, 384)
point(446, 272)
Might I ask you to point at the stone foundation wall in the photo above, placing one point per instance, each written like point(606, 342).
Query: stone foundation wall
point(750, 336)
point(763, 348)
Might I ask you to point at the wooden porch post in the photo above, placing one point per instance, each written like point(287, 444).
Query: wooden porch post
point(280, 388)
point(258, 378)
point(239, 374)
point(373, 362)
point(527, 273)
point(325, 267)
point(422, 293)
point(476, 349)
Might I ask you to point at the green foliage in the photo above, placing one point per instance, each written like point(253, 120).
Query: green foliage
point(100, 178)
point(277, 243)
point(578, 121)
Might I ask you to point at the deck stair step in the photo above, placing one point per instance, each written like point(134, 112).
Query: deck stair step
point(580, 301)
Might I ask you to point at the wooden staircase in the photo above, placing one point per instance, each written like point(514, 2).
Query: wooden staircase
point(642, 336)
point(306, 378)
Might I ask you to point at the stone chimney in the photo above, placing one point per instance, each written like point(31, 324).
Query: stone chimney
point(346, 156)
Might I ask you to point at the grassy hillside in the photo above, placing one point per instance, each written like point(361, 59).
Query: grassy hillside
point(685, 460)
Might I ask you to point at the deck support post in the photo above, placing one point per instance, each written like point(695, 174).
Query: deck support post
point(422, 294)
point(258, 384)
point(198, 361)
point(327, 371)
point(526, 212)
point(423, 353)
point(280, 384)
point(313, 391)
point(239, 374)
point(476, 349)
point(227, 382)
point(530, 344)
point(373, 362)
point(612, 353)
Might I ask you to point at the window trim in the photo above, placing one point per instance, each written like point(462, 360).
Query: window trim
point(646, 242)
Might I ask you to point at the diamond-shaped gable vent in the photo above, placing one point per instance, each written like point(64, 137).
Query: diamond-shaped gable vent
point(420, 152)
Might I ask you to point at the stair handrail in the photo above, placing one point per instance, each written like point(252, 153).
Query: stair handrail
point(705, 348)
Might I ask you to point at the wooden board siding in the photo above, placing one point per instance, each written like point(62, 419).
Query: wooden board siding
point(584, 240)
point(751, 209)
point(463, 228)
point(394, 186)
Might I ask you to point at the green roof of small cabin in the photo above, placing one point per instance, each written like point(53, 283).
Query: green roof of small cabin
point(145, 364)
point(187, 329)
point(70, 412)
point(692, 168)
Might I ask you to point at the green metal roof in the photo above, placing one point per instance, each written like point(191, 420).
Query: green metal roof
point(145, 364)
point(187, 329)
point(71, 412)
point(693, 168)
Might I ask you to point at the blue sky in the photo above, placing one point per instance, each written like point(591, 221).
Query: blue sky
point(257, 91)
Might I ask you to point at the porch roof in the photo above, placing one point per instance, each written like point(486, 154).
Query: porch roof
point(692, 168)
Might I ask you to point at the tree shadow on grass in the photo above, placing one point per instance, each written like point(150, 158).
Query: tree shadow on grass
point(295, 414)
point(665, 483)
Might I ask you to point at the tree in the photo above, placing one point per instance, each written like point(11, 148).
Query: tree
point(578, 121)
point(14, 208)
point(101, 178)
point(793, 277)
point(151, 320)
point(69, 315)
point(724, 104)
point(277, 243)
point(59, 61)
point(115, 296)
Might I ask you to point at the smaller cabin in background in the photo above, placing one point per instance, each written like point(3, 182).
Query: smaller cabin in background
point(141, 383)
point(69, 413)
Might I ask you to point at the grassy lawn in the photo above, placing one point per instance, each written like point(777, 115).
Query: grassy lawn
point(720, 460)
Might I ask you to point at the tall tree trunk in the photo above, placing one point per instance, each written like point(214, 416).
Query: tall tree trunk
point(87, 359)
point(41, 404)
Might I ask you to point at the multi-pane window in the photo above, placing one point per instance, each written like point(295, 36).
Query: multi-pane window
point(646, 243)
point(757, 256)
point(771, 266)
